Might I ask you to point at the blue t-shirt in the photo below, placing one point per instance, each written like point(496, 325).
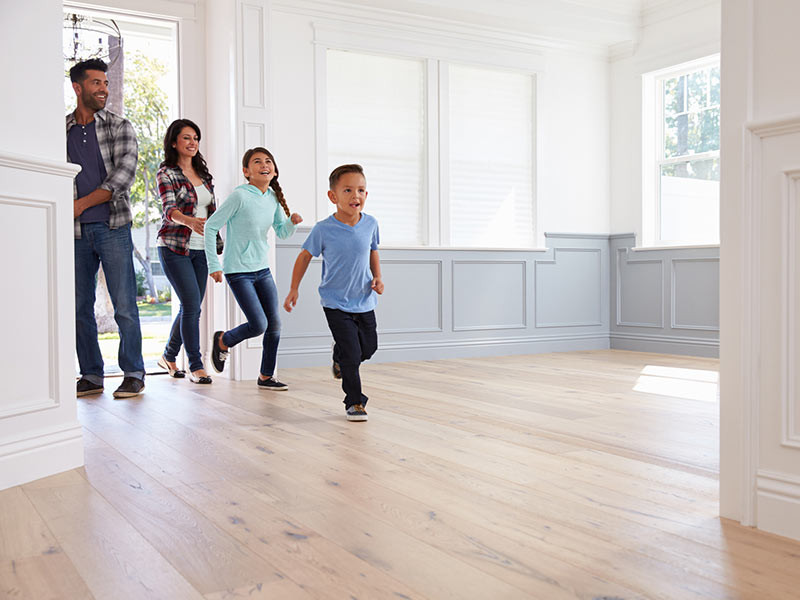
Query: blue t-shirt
point(83, 149)
point(346, 275)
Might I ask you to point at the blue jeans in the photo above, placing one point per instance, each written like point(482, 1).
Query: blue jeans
point(114, 249)
point(258, 298)
point(188, 275)
point(355, 339)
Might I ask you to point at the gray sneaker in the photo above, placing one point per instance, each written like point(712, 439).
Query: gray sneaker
point(356, 412)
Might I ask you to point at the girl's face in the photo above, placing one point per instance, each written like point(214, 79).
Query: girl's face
point(260, 170)
point(188, 143)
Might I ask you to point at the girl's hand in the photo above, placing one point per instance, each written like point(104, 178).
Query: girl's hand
point(377, 285)
point(296, 219)
point(197, 225)
point(216, 276)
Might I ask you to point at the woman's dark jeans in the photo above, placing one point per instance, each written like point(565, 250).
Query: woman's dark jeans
point(188, 275)
point(258, 298)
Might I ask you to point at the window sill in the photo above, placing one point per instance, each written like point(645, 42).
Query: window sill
point(677, 247)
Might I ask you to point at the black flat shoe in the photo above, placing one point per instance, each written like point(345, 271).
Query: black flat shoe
point(176, 373)
point(205, 379)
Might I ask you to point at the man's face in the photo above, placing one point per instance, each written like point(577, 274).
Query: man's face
point(93, 91)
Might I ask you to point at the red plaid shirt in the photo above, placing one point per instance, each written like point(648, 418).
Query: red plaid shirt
point(178, 193)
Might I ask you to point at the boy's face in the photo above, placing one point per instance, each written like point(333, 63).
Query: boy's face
point(350, 194)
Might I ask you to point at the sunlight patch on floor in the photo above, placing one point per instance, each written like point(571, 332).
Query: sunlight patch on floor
point(691, 384)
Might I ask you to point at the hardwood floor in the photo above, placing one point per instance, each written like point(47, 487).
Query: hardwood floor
point(574, 475)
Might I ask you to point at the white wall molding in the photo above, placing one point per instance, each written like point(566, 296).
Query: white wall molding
point(38, 165)
point(790, 436)
point(656, 11)
point(39, 453)
point(778, 501)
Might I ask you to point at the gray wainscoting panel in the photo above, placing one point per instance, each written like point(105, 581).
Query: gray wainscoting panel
point(415, 302)
point(306, 319)
point(488, 294)
point(695, 293)
point(640, 291)
point(569, 288)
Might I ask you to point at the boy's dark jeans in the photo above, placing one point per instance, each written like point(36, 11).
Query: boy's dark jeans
point(355, 339)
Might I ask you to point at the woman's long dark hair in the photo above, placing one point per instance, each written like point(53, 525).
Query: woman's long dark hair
point(171, 154)
point(276, 187)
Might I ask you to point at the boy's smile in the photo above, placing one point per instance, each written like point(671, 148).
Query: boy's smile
point(349, 196)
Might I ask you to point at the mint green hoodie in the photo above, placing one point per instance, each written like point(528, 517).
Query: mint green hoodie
point(248, 214)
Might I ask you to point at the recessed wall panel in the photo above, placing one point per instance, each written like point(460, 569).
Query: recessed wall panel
point(413, 301)
point(568, 288)
point(253, 56)
point(488, 295)
point(27, 319)
point(695, 294)
point(640, 291)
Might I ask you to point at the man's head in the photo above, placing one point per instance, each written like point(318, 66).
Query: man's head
point(348, 189)
point(90, 83)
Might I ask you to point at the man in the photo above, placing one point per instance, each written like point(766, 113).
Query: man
point(105, 147)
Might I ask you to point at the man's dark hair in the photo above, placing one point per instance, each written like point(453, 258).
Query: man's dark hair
point(337, 173)
point(78, 72)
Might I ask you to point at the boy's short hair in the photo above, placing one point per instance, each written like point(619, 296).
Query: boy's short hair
point(337, 173)
point(78, 72)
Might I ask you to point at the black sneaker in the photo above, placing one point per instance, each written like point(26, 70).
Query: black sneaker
point(356, 412)
point(87, 388)
point(218, 356)
point(130, 387)
point(272, 384)
point(336, 370)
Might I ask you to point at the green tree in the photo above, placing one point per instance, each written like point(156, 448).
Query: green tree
point(147, 108)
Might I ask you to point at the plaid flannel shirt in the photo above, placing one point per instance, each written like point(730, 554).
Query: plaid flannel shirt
point(178, 193)
point(120, 151)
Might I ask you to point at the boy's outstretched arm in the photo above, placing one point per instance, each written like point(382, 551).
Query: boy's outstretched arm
point(300, 267)
point(375, 267)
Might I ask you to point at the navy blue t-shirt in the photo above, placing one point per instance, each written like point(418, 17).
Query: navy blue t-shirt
point(83, 149)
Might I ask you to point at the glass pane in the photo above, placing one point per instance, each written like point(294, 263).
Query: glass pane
point(491, 158)
point(673, 96)
point(689, 207)
point(376, 118)
point(676, 135)
point(697, 89)
point(714, 85)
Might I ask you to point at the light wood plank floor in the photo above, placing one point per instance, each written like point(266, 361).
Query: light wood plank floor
point(574, 475)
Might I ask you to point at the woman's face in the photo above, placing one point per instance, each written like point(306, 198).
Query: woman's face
point(188, 143)
point(260, 170)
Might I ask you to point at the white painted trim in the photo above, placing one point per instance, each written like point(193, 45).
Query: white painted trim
point(37, 164)
point(789, 436)
point(321, 130)
point(779, 485)
point(676, 247)
point(41, 453)
point(150, 9)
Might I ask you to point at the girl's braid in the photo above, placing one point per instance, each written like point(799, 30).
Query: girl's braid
point(279, 194)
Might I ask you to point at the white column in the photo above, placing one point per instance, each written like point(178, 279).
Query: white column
point(39, 431)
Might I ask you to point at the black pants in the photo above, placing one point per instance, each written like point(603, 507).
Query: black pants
point(355, 338)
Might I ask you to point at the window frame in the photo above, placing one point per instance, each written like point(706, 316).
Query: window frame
point(436, 211)
point(653, 159)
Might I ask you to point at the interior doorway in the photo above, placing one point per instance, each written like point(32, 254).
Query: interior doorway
point(143, 87)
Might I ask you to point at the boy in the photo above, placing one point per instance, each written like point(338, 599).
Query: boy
point(351, 276)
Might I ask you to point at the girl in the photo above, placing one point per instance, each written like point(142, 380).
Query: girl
point(249, 212)
point(187, 198)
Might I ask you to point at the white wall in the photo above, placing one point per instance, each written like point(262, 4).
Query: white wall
point(670, 36)
point(760, 295)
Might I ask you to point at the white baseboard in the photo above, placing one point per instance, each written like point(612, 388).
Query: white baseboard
point(40, 454)
point(778, 503)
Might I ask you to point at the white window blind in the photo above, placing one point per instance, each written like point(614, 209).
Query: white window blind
point(376, 118)
point(490, 172)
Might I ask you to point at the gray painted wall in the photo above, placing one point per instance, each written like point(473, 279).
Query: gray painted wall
point(583, 292)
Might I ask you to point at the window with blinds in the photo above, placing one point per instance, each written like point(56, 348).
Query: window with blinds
point(490, 167)
point(376, 118)
point(482, 153)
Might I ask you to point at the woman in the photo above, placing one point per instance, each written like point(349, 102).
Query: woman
point(187, 199)
point(249, 213)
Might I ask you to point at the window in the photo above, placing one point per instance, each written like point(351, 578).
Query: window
point(448, 149)
point(683, 179)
